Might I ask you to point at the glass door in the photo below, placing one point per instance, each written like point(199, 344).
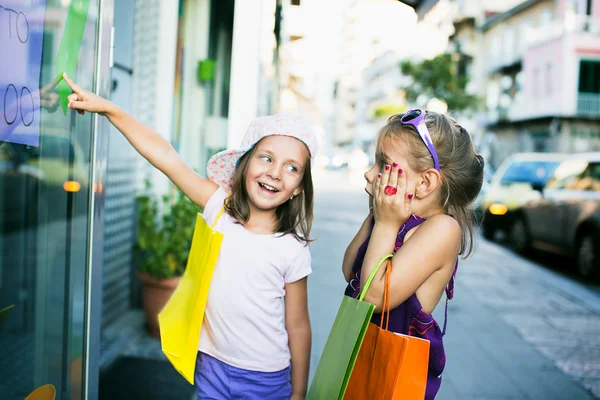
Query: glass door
point(45, 188)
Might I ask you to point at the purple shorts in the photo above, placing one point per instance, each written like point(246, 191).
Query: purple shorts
point(219, 381)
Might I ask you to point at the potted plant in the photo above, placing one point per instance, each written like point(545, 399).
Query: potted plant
point(162, 247)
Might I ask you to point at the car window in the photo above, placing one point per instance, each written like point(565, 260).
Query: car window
point(589, 180)
point(533, 172)
point(567, 174)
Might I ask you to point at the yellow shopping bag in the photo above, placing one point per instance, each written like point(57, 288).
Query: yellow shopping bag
point(180, 320)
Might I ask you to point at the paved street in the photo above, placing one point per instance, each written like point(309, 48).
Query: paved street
point(516, 330)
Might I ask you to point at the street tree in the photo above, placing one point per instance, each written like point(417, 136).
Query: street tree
point(438, 78)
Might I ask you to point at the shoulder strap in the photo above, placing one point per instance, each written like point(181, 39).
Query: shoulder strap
point(449, 295)
point(221, 212)
point(410, 223)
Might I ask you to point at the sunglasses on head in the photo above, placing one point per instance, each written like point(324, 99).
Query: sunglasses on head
point(416, 118)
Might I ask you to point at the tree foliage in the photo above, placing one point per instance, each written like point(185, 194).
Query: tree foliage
point(437, 78)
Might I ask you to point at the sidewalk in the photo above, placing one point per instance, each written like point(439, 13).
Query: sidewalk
point(517, 330)
point(138, 369)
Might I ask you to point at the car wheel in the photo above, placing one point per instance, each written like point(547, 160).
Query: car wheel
point(588, 255)
point(518, 237)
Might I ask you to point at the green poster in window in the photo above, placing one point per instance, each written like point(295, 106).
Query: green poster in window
point(68, 52)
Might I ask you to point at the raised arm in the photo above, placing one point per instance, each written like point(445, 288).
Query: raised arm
point(432, 247)
point(151, 145)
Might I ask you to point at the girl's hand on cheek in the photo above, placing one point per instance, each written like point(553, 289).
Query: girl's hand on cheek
point(391, 199)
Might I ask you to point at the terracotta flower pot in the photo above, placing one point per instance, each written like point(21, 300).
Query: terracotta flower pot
point(156, 293)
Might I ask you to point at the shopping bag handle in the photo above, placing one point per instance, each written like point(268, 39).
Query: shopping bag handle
point(385, 312)
point(363, 292)
point(221, 212)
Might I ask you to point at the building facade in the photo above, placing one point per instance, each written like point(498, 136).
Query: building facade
point(542, 72)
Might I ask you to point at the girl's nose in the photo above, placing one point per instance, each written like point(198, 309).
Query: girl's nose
point(274, 172)
point(370, 175)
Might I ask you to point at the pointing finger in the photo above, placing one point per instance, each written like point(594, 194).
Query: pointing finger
point(72, 84)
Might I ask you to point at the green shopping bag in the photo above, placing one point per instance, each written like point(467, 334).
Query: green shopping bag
point(344, 341)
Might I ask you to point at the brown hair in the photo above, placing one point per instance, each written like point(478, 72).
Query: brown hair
point(461, 168)
point(294, 217)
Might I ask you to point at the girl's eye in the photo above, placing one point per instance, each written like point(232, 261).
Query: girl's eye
point(266, 159)
point(292, 168)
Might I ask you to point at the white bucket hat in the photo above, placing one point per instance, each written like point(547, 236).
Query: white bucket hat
point(221, 166)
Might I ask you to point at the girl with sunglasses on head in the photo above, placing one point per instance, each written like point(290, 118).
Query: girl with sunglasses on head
point(426, 175)
point(260, 196)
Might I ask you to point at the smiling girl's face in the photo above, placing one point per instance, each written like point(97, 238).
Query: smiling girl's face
point(275, 171)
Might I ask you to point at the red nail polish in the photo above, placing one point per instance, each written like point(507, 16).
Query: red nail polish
point(410, 196)
point(387, 167)
point(399, 171)
point(379, 175)
point(395, 164)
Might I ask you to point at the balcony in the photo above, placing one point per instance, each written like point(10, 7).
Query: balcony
point(588, 104)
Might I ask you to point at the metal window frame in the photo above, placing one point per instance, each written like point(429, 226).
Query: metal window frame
point(99, 148)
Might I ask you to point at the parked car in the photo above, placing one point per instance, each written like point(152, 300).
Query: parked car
point(565, 218)
point(517, 181)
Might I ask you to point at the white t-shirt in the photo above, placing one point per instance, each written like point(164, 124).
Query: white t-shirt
point(244, 320)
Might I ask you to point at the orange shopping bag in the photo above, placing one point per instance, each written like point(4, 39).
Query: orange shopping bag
point(389, 365)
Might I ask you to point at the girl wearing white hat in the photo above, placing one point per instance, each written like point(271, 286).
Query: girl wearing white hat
point(252, 344)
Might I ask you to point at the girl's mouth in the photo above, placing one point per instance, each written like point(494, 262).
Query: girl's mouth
point(268, 187)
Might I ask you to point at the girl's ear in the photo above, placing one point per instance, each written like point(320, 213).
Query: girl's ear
point(430, 180)
point(297, 191)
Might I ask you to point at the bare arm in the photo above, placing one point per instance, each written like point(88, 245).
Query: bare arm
point(151, 145)
point(352, 249)
point(297, 324)
point(433, 246)
point(159, 152)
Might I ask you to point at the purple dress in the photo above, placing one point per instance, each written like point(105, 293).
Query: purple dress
point(409, 318)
